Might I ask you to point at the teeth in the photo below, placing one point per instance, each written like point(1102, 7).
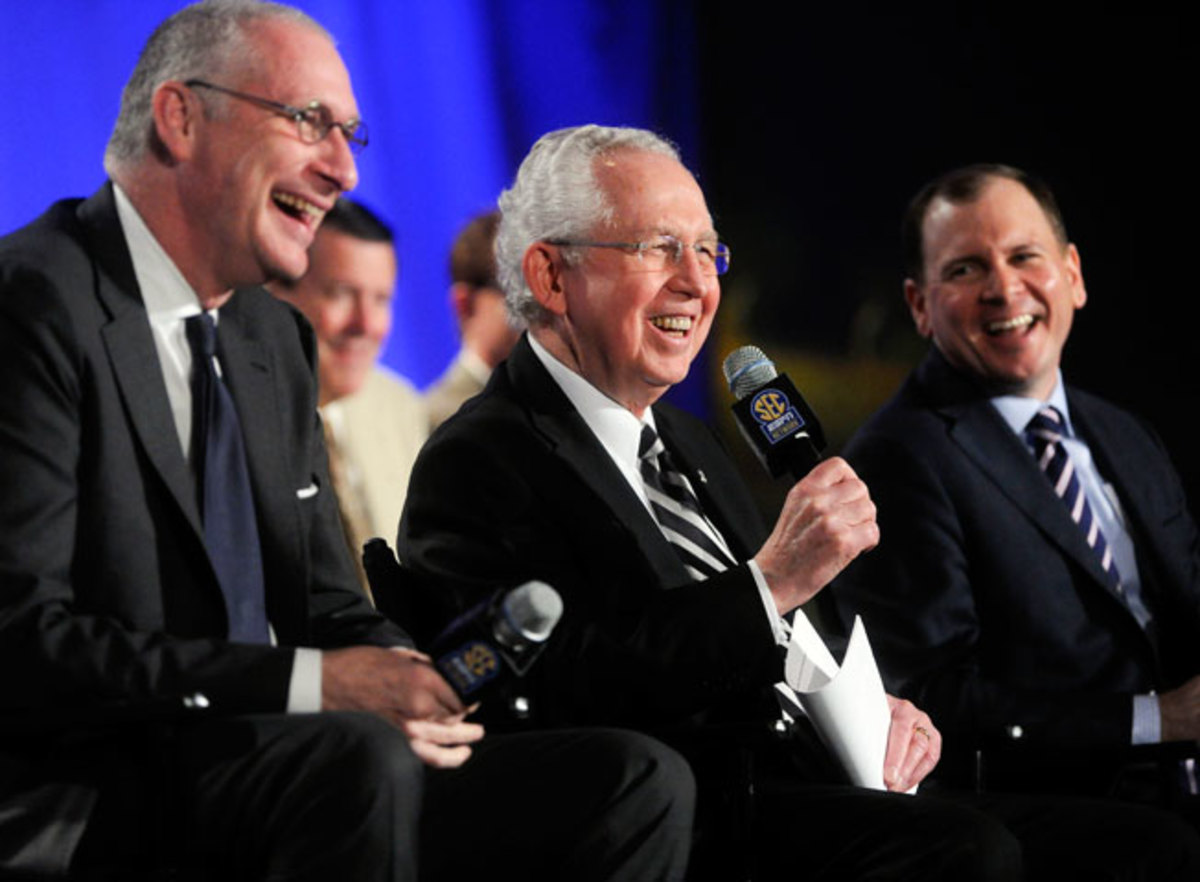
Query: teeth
point(295, 202)
point(672, 322)
point(1011, 324)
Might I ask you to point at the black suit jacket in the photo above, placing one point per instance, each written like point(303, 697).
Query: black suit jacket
point(107, 594)
point(984, 603)
point(516, 487)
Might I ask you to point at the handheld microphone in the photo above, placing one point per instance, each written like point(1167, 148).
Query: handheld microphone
point(772, 416)
point(496, 640)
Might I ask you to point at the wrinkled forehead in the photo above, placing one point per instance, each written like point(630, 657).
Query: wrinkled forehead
point(296, 63)
point(650, 192)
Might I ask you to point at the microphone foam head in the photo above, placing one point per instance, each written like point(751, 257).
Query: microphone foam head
point(746, 369)
point(533, 609)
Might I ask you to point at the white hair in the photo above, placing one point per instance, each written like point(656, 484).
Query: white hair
point(556, 196)
point(206, 40)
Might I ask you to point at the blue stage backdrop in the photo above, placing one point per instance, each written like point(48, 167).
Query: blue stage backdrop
point(454, 92)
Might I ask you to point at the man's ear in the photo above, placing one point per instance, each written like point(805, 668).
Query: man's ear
point(462, 304)
point(543, 270)
point(176, 111)
point(1075, 273)
point(918, 305)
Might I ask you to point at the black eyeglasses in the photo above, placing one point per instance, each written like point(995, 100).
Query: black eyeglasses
point(313, 122)
point(663, 251)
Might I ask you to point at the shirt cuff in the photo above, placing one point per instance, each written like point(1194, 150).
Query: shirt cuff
point(304, 688)
point(1147, 720)
point(778, 626)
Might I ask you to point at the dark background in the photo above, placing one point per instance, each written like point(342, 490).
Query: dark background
point(814, 138)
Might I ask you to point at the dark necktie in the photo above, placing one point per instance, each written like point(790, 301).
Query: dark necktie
point(1044, 434)
point(223, 482)
point(678, 511)
point(690, 533)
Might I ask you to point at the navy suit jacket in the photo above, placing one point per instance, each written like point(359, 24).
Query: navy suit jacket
point(984, 603)
point(107, 594)
point(515, 486)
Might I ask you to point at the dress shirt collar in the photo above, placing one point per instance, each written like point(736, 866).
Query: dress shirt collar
point(333, 415)
point(615, 426)
point(1017, 410)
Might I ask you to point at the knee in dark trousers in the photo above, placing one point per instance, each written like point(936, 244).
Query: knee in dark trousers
point(309, 797)
point(589, 804)
point(840, 832)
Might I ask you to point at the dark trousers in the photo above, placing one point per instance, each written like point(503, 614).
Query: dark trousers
point(838, 833)
point(1073, 838)
point(797, 819)
point(341, 796)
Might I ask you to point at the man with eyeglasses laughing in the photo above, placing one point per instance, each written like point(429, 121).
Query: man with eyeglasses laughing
point(169, 534)
point(569, 468)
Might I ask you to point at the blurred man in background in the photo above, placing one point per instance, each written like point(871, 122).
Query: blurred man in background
point(374, 421)
point(478, 303)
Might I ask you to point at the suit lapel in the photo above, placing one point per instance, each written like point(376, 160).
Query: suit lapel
point(564, 430)
point(708, 475)
point(246, 370)
point(1122, 469)
point(129, 343)
point(984, 437)
point(251, 374)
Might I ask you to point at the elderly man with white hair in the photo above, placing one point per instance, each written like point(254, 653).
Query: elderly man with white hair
point(568, 468)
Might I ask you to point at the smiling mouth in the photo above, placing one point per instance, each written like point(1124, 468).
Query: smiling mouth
point(299, 208)
point(1008, 326)
point(677, 325)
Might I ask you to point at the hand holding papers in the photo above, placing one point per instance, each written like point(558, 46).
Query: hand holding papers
point(847, 705)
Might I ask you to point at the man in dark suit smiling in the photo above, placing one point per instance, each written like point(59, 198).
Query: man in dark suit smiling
point(1040, 576)
point(168, 526)
point(568, 468)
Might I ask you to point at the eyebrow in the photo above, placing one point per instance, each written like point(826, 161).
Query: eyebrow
point(667, 231)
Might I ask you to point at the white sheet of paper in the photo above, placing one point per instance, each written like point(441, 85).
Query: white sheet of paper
point(848, 705)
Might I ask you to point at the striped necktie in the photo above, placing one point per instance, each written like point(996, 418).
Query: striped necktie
point(1044, 434)
point(677, 510)
point(691, 534)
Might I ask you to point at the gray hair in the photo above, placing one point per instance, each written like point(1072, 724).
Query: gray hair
point(207, 40)
point(556, 196)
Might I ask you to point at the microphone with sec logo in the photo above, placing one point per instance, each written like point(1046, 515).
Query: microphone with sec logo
point(490, 644)
point(497, 640)
point(773, 417)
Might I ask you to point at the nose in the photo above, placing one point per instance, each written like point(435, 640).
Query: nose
point(690, 273)
point(338, 165)
point(355, 321)
point(1005, 282)
point(377, 319)
point(370, 317)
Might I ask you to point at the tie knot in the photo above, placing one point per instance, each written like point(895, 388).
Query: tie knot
point(650, 445)
point(1047, 424)
point(202, 335)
